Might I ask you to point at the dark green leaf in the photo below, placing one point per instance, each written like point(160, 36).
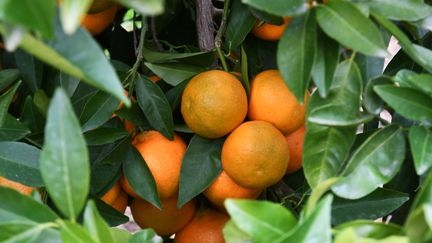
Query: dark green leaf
point(41, 101)
point(133, 114)
point(328, 147)
point(71, 12)
point(266, 17)
point(373, 164)
point(31, 117)
point(410, 103)
point(244, 71)
point(371, 101)
point(7, 77)
point(370, 67)
point(67, 82)
point(12, 129)
point(20, 162)
point(174, 95)
point(98, 110)
point(296, 53)
point(110, 214)
point(344, 22)
point(5, 101)
point(174, 73)
point(102, 136)
point(279, 7)
point(95, 225)
point(31, 69)
point(240, 23)
point(420, 139)
point(263, 221)
point(200, 166)
point(146, 236)
point(158, 57)
point(409, 10)
point(64, 158)
point(155, 106)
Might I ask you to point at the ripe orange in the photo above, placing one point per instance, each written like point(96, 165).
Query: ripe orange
point(295, 142)
point(255, 155)
point(127, 187)
point(205, 227)
point(270, 32)
point(26, 190)
point(214, 103)
point(164, 159)
point(111, 195)
point(97, 22)
point(99, 6)
point(166, 221)
point(120, 204)
point(224, 187)
point(272, 101)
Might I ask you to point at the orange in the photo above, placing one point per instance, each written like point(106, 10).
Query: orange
point(270, 32)
point(166, 221)
point(127, 187)
point(121, 202)
point(97, 22)
point(224, 187)
point(154, 78)
point(164, 159)
point(214, 103)
point(99, 6)
point(295, 142)
point(26, 190)
point(272, 101)
point(111, 195)
point(205, 227)
point(255, 155)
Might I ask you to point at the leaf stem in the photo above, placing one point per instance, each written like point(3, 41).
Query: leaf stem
point(220, 32)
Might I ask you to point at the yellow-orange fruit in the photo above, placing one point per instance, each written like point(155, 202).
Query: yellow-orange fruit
point(270, 32)
point(295, 142)
point(121, 202)
point(111, 195)
point(224, 187)
point(97, 22)
point(214, 103)
point(272, 101)
point(255, 155)
point(205, 227)
point(165, 222)
point(26, 190)
point(127, 187)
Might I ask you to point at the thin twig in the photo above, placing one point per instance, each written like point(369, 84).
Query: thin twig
point(220, 32)
point(154, 34)
point(134, 70)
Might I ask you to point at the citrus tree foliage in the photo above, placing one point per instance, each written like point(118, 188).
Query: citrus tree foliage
point(367, 150)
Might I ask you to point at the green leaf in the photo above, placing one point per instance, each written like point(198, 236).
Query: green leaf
point(5, 101)
point(373, 164)
point(266, 17)
point(420, 139)
point(146, 236)
point(375, 205)
point(174, 73)
point(155, 106)
point(31, 69)
point(110, 214)
point(120, 235)
point(73, 233)
point(371, 229)
point(202, 154)
point(314, 228)
point(370, 67)
point(71, 12)
point(103, 136)
point(342, 106)
point(31, 117)
point(98, 110)
point(153, 56)
point(145, 7)
point(67, 82)
point(410, 103)
point(279, 7)
point(240, 23)
point(19, 162)
point(328, 147)
point(174, 95)
point(35, 15)
point(296, 53)
point(244, 71)
point(7, 77)
point(344, 22)
point(140, 178)
point(41, 101)
point(350, 235)
point(95, 225)
point(233, 234)
point(408, 10)
point(371, 101)
point(327, 58)
point(12, 129)
point(27, 211)
point(421, 82)
point(263, 221)
point(64, 160)
point(90, 64)
point(417, 226)
point(29, 233)
point(134, 114)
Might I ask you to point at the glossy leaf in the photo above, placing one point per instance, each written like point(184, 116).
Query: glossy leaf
point(155, 106)
point(296, 53)
point(202, 155)
point(371, 101)
point(328, 147)
point(29, 233)
point(5, 101)
point(111, 216)
point(371, 229)
point(73, 232)
point(64, 158)
point(7, 77)
point(410, 103)
point(370, 67)
point(327, 58)
point(146, 236)
point(279, 7)
point(373, 164)
point(153, 56)
point(422, 82)
point(140, 178)
point(104, 136)
point(30, 68)
point(145, 7)
point(244, 71)
point(95, 225)
point(174, 95)
point(233, 234)
point(342, 106)
point(409, 10)
point(71, 13)
point(344, 22)
point(19, 162)
point(12, 129)
point(174, 73)
point(263, 221)
point(31, 117)
point(240, 23)
point(375, 205)
point(67, 82)
point(134, 114)
point(420, 139)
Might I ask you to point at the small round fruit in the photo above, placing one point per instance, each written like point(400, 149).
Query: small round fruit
point(224, 187)
point(98, 22)
point(272, 101)
point(111, 195)
point(255, 155)
point(205, 227)
point(26, 190)
point(214, 103)
point(121, 202)
point(165, 222)
point(295, 142)
point(270, 32)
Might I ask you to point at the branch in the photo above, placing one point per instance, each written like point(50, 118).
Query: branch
point(204, 24)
